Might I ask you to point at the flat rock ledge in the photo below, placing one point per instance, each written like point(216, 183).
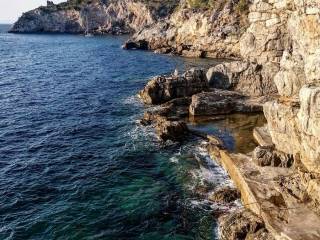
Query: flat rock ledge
point(276, 195)
point(219, 101)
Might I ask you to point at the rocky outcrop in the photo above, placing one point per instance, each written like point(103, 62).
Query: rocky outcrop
point(243, 224)
point(248, 78)
point(293, 120)
point(171, 130)
point(219, 101)
point(94, 16)
point(195, 32)
point(224, 195)
point(164, 88)
point(268, 156)
point(279, 196)
point(279, 181)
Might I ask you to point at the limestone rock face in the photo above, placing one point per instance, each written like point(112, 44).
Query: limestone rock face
point(293, 120)
point(219, 101)
point(97, 16)
point(266, 37)
point(243, 224)
point(164, 88)
point(268, 156)
point(197, 33)
point(245, 77)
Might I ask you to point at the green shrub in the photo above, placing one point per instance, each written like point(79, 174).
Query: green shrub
point(203, 4)
point(243, 6)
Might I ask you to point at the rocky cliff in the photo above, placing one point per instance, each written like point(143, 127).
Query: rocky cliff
point(278, 42)
point(94, 16)
point(198, 32)
point(286, 34)
point(279, 52)
point(277, 46)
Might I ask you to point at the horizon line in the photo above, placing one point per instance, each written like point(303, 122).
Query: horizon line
point(7, 22)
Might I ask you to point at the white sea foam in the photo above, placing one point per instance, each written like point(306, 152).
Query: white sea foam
point(174, 159)
point(132, 100)
point(209, 170)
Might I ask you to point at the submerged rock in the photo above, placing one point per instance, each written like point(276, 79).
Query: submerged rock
point(165, 88)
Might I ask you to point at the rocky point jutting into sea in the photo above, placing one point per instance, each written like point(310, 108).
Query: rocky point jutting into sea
point(273, 52)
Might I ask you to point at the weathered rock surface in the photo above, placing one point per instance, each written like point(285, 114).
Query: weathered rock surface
point(193, 32)
point(171, 130)
point(262, 136)
point(219, 101)
point(268, 156)
point(164, 88)
point(243, 224)
point(245, 77)
point(277, 195)
point(224, 195)
point(94, 16)
point(293, 126)
point(284, 32)
point(175, 109)
point(168, 118)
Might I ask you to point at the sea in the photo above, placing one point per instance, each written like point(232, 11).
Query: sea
point(74, 161)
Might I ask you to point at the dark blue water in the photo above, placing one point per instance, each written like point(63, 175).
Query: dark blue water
point(74, 164)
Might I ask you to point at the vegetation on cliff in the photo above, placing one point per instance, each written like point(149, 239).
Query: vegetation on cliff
point(242, 6)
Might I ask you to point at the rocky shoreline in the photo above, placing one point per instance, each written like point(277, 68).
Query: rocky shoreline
point(271, 182)
point(276, 44)
point(178, 99)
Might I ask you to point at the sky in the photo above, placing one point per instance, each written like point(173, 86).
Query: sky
point(10, 10)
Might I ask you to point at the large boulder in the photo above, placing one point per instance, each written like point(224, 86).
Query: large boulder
point(175, 109)
point(141, 44)
point(171, 130)
point(248, 78)
point(165, 88)
point(219, 101)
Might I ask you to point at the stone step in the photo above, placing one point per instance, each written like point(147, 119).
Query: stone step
point(262, 136)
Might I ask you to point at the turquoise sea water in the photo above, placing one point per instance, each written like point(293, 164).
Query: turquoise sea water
point(74, 163)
